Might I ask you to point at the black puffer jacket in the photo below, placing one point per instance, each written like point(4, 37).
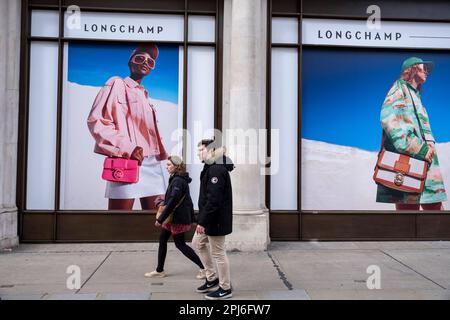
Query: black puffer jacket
point(178, 187)
point(216, 197)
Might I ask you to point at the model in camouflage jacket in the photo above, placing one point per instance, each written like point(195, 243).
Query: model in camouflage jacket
point(404, 134)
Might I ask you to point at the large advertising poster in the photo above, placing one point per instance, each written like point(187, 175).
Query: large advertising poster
point(343, 93)
point(107, 111)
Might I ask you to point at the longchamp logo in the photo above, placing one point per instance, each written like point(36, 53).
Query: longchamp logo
point(113, 28)
point(358, 35)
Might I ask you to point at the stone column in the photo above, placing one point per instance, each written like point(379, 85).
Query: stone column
point(9, 106)
point(244, 92)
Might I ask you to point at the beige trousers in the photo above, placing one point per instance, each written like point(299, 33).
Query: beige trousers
point(218, 253)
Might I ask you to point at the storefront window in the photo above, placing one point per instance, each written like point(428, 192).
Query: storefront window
point(69, 75)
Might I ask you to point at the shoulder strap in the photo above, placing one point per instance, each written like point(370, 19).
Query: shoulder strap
point(417, 116)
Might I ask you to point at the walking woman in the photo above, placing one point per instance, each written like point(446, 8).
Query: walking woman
point(177, 200)
point(407, 130)
point(123, 124)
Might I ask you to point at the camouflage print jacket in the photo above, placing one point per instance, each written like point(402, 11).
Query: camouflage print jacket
point(404, 134)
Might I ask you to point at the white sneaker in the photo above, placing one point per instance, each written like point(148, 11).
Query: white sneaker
point(155, 274)
point(201, 274)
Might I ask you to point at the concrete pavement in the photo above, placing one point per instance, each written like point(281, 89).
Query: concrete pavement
point(286, 271)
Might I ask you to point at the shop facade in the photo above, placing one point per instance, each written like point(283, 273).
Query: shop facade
point(264, 77)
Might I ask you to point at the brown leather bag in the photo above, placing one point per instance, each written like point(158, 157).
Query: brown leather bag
point(170, 217)
point(399, 171)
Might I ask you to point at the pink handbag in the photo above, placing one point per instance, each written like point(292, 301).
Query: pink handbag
point(120, 170)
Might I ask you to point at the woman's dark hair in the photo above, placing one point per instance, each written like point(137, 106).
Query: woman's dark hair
point(178, 163)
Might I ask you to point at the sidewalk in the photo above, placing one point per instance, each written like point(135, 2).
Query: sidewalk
point(288, 270)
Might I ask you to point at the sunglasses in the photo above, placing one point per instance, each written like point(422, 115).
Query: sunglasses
point(142, 58)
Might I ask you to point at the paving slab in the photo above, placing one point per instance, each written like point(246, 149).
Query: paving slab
point(364, 245)
point(432, 263)
point(400, 245)
point(296, 294)
point(22, 296)
point(86, 247)
point(383, 294)
point(124, 272)
point(35, 273)
point(310, 245)
point(177, 296)
point(254, 271)
point(124, 296)
point(346, 270)
point(68, 296)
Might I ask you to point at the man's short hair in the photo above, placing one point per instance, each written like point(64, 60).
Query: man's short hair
point(208, 143)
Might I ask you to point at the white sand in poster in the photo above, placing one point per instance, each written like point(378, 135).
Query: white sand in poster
point(340, 178)
point(81, 185)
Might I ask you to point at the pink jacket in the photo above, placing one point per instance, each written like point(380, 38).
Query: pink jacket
point(122, 118)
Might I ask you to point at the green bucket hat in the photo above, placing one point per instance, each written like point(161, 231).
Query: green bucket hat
point(414, 60)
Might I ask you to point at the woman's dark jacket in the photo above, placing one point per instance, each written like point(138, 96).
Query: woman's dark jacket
point(216, 199)
point(178, 187)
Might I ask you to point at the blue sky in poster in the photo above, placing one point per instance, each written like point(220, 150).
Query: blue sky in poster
point(94, 64)
point(343, 90)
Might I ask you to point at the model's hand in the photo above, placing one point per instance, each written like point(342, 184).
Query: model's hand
point(157, 224)
point(138, 154)
point(430, 154)
point(200, 229)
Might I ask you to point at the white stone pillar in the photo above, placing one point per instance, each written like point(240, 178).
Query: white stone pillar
point(244, 93)
point(9, 106)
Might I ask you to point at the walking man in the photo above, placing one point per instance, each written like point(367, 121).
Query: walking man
point(215, 219)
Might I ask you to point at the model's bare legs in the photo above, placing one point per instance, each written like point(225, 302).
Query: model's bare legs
point(148, 203)
point(432, 206)
point(407, 206)
point(426, 206)
point(120, 204)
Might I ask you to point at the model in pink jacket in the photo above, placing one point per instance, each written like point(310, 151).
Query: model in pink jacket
point(123, 122)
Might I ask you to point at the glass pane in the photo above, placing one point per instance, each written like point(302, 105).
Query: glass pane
point(202, 28)
point(44, 23)
point(88, 77)
point(42, 125)
point(200, 109)
point(285, 30)
point(284, 115)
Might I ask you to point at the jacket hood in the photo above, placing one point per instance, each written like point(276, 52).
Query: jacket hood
point(184, 175)
point(220, 158)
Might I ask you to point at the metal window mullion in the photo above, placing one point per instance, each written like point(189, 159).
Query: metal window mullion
point(185, 78)
point(57, 199)
point(22, 150)
point(269, 102)
point(217, 124)
point(299, 125)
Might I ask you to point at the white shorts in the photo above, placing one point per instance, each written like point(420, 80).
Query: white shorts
point(151, 183)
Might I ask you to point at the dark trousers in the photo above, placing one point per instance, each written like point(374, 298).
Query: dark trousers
point(181, 245)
